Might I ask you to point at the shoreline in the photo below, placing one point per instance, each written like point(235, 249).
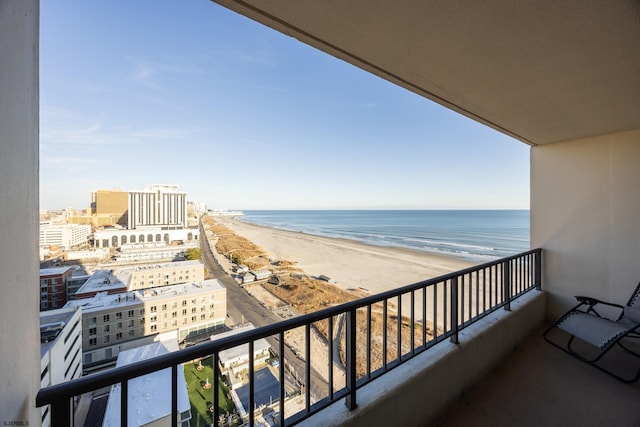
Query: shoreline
point(351, 264)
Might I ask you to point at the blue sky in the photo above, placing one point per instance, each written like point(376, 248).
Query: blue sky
point(239, 116)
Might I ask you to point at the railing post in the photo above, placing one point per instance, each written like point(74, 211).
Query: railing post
point(124, 403)
point(506, 284)
point(61, 412)
point(538, 269)
point(174, 395)
point(351, 359)
point(454, 310)
point(216, 394)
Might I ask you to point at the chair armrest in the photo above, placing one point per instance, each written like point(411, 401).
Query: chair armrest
point(590, 301)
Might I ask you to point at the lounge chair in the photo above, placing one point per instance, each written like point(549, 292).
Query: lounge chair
point(600, 333)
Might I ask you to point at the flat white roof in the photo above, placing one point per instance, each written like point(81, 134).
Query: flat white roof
point(149, 395)
point(103, 300)
point(241, 350)
point(53, 271)
point(152, 267)
point(61, 316)
point(104, 280)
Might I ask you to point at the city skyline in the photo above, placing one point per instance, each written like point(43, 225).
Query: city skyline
point(242, 117)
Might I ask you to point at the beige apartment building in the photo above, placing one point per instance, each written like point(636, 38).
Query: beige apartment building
point(149, 276)
point(141, 277)
point(118, 322)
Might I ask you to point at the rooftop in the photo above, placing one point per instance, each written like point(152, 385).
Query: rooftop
point(52, 322)
point(146, 401)
point(53, 271)
point(124, 299)
point(104, 281)
point(241, 350)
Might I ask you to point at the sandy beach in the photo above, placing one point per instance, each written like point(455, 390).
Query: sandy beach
point(349, 263)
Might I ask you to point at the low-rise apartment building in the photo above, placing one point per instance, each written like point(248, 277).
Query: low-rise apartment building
point(117, 322)
point(121, 280)
point(53, 287)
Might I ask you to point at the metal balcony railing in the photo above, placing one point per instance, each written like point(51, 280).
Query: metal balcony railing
point(365, 338)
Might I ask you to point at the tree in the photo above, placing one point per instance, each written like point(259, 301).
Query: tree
point(192, 253)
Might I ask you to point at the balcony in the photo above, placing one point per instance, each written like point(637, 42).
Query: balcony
point(431, 340)
point(538, 385)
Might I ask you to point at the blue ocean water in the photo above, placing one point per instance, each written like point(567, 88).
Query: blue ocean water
point(477, 235)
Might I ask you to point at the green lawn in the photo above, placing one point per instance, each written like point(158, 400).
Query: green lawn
point(201, 398)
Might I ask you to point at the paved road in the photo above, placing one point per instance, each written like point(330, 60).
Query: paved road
point(241, 306)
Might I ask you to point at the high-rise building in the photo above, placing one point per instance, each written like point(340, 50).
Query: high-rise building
point(157, 206)
point(112, 204)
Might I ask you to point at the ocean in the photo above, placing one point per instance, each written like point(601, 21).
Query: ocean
point(477, 235)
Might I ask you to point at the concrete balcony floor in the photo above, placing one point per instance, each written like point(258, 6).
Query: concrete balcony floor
point(540, 385)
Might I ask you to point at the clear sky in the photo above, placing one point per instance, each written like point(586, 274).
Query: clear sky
point(240, 116)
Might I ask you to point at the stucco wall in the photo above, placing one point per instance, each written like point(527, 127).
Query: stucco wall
point(585, 214)
point(19, 334)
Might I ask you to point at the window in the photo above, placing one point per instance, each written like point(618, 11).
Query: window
point(174, 323)
point(105, 339)
point(105, 318)
point(119, 326)
point(130, 313)
point(174, 315)
point(153, 309)
point(154, 328)
point(142, 321)
point(131, 333)
point(131, 323)
point(211, 306)
point(193, 302)
point(92, 321)
point(164, 307)
point(184, 303)
point(193, 310)
point(119, 336)
point(92, 331)
point(142, 312)
point(193, 318)
point(174, 305)
point(43, 297)
point(184, 321)
point(105, 328)
point(184, 312)
point(202, 317)
point(119, 315)
point(92, 342)
point(153, 318)
point(202, 309)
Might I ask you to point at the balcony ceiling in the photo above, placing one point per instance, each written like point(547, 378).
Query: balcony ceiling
point(542, 72)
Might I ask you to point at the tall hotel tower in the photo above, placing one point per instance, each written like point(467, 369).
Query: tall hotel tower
point(158, 206)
